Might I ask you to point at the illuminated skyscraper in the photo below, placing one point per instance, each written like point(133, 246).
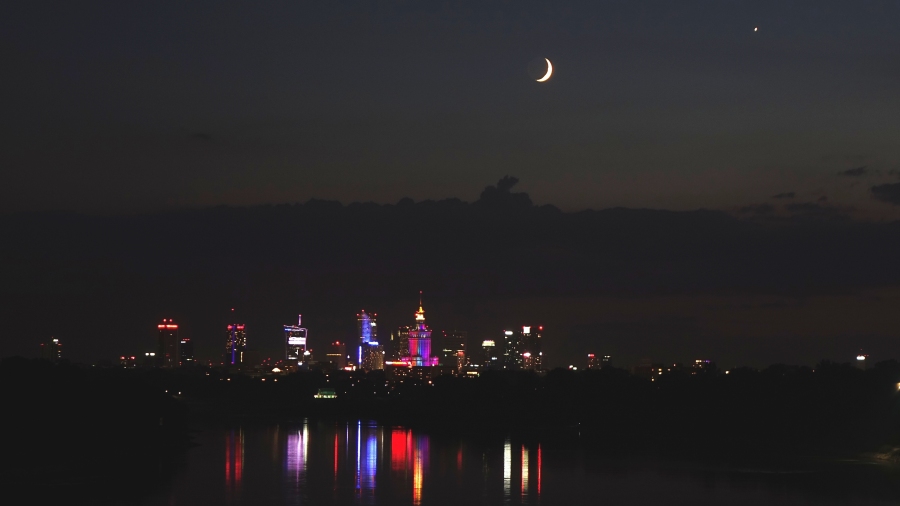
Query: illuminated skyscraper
point(295, 339)
point(420, 341)
point(400, 343)
point(522, 349)
point(187, 351)
point(369, 352)
point(593, 361)
point(235, 344)
point(512, 350)
point(337, 354)
point(532, 353)
point(453, 348)
point(372, 357)
point(51, 350)
point(168, 345)
point(492, 354)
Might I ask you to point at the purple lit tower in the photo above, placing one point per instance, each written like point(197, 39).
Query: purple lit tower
point(420, 341)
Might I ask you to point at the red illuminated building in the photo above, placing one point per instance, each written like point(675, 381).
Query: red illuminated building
point(168, 350)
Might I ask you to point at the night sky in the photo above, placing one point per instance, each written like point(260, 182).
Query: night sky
point(125, 110)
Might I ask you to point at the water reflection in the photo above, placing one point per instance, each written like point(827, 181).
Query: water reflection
point(234, 464)
point(363, 463)
point(295, 454)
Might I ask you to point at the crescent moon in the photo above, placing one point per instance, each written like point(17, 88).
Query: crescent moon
point(549, 71)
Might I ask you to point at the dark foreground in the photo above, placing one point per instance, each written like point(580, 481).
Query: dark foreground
point(112, 435)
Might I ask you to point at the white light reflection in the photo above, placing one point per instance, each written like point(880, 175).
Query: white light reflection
point(507, 469)
point(296, 455)
point(524, 472)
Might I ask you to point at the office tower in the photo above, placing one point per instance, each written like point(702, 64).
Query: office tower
point(51, 350)
point(593, 361)
point(522, 349)
point(372, 357)
point(453, 348)
point(235, 344)
point(167, 351)
point(295, 339)
point(512, 350)
point(861, 360)
point(420, 341)
point(492, 354)
point(369, 352)
point(187, 351)
point(367, 327)
point(530, 344)
point(606, 362)
point(337, 354)
point(400, 343)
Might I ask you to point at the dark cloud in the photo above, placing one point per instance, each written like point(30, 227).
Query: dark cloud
point(811, 212)
point(889, 193)
point(857, 172)
point(786, 195)
point(501, 196)
point(757, 211)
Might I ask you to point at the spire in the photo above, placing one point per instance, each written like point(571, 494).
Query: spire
point(420, 314)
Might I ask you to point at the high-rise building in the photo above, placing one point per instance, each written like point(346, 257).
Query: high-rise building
point(400, 343)
point(531, 338)
point(372, 357)
point(295, 342)
point(187, 351)
point(593, 361)
point(337, 354)
point(522, 349)
point(369, 352)
point(453, 348)
point(168, 345)
point(51, 350)
point(492, 354)
point(420, 341)
point(235, 344)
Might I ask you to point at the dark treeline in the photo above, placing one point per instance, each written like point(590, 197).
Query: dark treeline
point(328, 260)
point(90, 433)
point(831, 410)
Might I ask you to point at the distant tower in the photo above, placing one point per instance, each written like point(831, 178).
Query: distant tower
point(491, 354)
point(593, 362)
point(168, 345)
point(420, 341)
point(186, 351)
point(522, 349)
point(453, 349)
point(369, 352)
point(295, 338)
point(235, 344)
point(51, 350)
point(337, 354)
point(533, 355)
point(861, 360)
point(400, 342)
